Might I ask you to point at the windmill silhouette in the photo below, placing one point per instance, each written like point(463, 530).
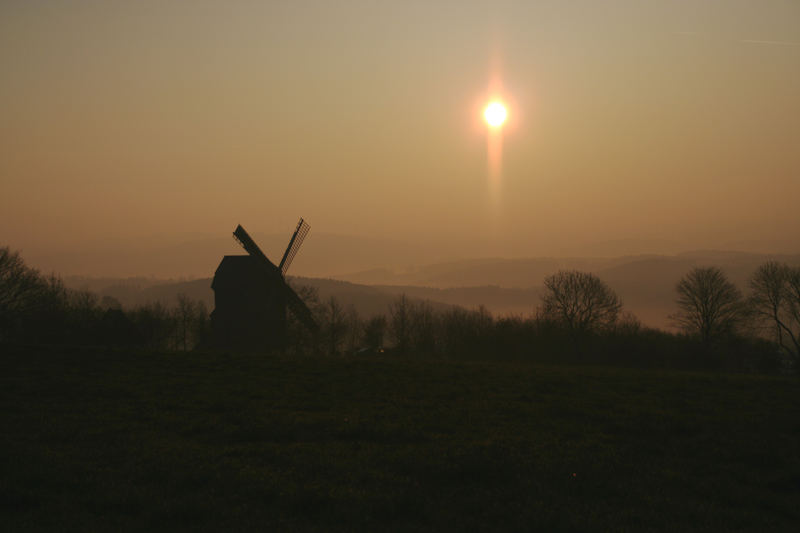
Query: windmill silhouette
point(251, 296)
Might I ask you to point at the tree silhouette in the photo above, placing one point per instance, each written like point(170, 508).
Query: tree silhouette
point(354, 329)
point(374, 332)
point(400, 322)
point(424, 328)
point(31, 305)
point(334, 325)
point(19, 288)
point(580, 300)
point(709, 305)
point(775, 299)
point(190, 318)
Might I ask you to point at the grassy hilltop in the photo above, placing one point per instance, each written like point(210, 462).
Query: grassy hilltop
point(97, 440)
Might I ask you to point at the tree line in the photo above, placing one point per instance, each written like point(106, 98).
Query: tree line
point(35, 308)
point(579, 318)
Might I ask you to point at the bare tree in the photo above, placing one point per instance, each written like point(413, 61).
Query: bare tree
point(31, 305)
point(374, 332)
point(334, 325)
point(775, 300)
point(465, 332)
point(190, 318)
point(201, 324)
point(709, 305)
point(580, 300)
point(354, 329)
point(424, 328)
point(20, 287)
point(83, 305)
point(156, 324)
point(400, 322)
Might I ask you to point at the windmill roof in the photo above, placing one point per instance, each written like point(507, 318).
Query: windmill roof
point(237, 270)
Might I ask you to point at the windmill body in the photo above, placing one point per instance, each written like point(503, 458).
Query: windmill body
point(251, 297)
point(249, 310)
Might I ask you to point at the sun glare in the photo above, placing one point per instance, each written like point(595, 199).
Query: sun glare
point(495, 114)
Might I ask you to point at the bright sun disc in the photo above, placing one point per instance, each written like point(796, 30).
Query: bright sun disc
point(495, 114)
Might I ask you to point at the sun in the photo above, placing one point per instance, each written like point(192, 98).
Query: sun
point(495, 114)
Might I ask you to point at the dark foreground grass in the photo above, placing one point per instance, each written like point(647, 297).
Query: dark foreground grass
point(93, 440)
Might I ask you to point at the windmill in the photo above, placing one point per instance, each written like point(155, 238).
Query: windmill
point(251, 296)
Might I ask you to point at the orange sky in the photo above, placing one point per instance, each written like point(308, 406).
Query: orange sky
point(156, 121)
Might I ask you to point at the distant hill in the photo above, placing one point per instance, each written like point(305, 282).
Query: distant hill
point(508, 273)
point(368, 301)
point(529, 272)
point(646, 284)
point(358, 259)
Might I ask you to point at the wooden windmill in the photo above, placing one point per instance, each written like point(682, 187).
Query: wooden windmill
point(251, 296)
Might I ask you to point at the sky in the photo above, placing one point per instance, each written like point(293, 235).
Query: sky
point(650, 122)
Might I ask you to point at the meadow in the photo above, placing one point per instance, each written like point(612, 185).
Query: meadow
point(98, 439)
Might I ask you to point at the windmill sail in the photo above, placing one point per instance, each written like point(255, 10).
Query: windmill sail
point(294, 245)
point(251, 247)
point(300, 309)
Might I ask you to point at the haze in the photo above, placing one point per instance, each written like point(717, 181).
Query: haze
point(668, 126)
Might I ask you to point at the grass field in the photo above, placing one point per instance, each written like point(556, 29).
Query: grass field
point(103, 441)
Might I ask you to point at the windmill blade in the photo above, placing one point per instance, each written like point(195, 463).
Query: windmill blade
point(300, 309)
point(252, 248)
point(294, 245)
